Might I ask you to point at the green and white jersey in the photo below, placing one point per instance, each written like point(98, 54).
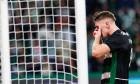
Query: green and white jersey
point(116, 67)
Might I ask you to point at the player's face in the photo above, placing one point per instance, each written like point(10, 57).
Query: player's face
point(103, 26)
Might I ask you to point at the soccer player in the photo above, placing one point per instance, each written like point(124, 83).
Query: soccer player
point(116, 50)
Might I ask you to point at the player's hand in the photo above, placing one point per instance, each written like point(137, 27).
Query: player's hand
point(97, 33)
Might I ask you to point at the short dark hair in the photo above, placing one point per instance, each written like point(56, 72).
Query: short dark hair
point(102, 15)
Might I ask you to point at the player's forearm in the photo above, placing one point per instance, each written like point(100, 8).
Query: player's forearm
point(96, 45)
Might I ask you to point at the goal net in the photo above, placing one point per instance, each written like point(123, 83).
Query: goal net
point(43, 42)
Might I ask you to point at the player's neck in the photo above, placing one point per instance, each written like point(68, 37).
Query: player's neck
point(113, 29)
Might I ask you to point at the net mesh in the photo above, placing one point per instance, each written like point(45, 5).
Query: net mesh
point(42, 40)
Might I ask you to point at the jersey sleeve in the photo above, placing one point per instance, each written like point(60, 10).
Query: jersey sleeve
point(115, 42)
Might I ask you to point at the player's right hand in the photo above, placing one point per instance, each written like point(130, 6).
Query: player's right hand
point(97, 33)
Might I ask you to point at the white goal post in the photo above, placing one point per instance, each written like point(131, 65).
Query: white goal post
point(43, 42)
point(5, 54)
point(81, 41)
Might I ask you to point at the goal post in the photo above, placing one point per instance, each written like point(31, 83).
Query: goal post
point(81, 41)
point(43, 42)
point(5, 54)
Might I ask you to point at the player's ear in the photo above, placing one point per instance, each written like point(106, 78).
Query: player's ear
point(107, 25)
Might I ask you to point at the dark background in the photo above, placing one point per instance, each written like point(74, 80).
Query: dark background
point(127, 13)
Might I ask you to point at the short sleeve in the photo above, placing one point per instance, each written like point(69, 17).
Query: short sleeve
point(115, 42)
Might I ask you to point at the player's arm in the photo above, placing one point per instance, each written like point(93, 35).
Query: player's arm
point(99, 49)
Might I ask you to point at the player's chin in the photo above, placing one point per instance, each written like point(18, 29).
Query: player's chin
point(104, 37)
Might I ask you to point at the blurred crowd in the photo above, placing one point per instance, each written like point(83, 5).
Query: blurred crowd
point(42, 37)
point(127, 13)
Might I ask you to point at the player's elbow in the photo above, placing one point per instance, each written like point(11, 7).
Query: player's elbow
point(95, 54)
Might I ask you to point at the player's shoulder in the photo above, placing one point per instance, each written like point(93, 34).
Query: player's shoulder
point(119, 36)
point(115, 35)
point(124, 33)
